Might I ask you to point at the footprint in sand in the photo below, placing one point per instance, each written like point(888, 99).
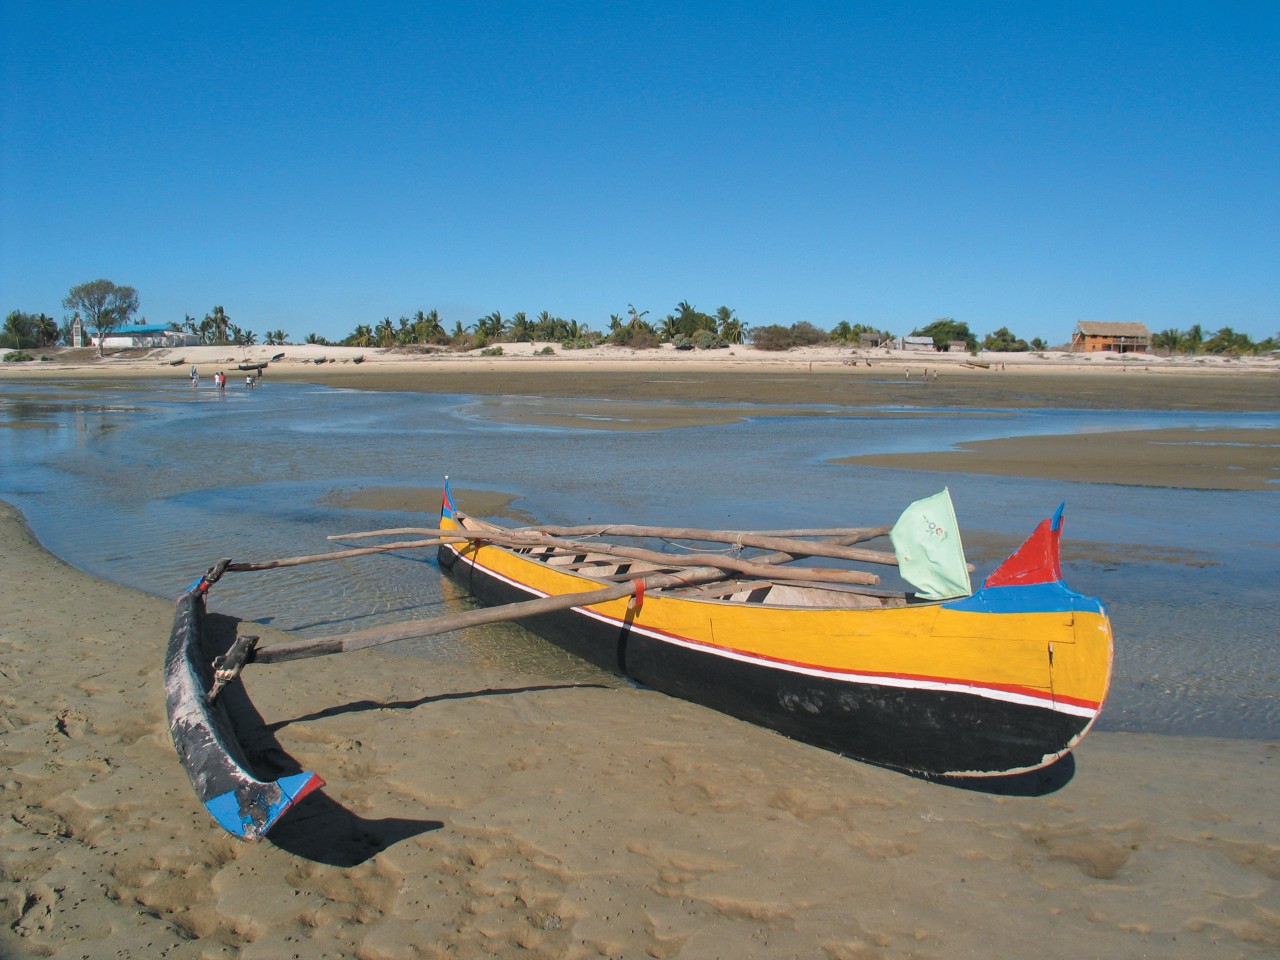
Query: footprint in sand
point(37, 911)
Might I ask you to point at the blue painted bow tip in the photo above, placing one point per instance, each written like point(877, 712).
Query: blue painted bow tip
point(252, 810)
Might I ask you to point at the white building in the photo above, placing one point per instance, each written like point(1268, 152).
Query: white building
point(145, 335)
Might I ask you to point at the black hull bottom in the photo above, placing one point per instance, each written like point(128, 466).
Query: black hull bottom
point(923, 731)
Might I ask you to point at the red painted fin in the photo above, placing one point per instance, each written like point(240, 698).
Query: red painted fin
point(1036, 561)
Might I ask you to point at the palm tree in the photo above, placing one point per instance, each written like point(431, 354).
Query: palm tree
point(45, 329)
point(1228, 341)
point(386, 332)
point(213, 329)
point(730, 327)
point(1193, 339)
point(491, 327)
point(427, 327)
point(521, 328)
point(17, 329)
point(247, 338)
point(277, 338)
point(363, 336)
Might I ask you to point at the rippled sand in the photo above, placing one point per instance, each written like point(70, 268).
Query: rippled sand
point(476, 812)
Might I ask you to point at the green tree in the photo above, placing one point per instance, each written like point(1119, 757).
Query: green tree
point(729, 326)
point(521, 327)
point(491, 326)
point(1169, 339)
point(944, 331)
point(385, 333)
point(547, 327)
point(1227, 341)
point(1003, 341)
point(1193, 339)
point(103, 305)
point(17, 330)
point(689, 320)
point(431, 330)
point(215, 326)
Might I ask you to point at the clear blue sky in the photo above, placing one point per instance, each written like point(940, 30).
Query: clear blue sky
point(313, 166)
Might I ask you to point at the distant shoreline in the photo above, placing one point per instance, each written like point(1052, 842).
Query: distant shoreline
point(825, 375)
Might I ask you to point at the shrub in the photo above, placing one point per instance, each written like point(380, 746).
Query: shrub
point(709, 340)
point(492, 351)
point(777, 337)
point(17, 356)
point(635, 337)
point(547, 351)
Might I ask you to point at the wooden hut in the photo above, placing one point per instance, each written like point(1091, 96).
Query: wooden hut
point(1092, 336)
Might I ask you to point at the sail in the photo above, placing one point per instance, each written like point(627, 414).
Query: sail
point(926, 539)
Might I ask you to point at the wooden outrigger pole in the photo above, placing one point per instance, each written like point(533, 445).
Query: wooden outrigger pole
point(202, 732)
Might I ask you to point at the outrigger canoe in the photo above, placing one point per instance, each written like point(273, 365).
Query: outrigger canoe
point(1005, 680)
point(941, 680)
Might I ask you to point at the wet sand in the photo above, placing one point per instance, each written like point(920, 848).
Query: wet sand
point(1185, 459)
point(476, 812)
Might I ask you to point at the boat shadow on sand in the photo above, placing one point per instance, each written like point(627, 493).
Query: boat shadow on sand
point(321, 829)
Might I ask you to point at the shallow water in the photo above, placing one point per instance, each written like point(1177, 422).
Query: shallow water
point(146, 484)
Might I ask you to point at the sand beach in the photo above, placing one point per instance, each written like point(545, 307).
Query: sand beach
point(479, 810)
point(475, 813)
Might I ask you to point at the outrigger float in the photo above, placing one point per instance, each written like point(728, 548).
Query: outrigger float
point(939, 680)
